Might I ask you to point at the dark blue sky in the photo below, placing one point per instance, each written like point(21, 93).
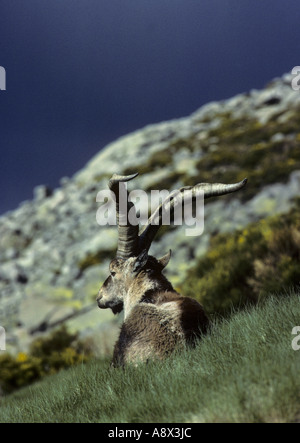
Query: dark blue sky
point(81, 73)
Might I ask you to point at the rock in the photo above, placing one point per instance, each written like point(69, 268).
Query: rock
point(42, 192)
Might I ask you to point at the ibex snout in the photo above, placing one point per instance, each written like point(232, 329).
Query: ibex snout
point(99, 300)
point(107, 297)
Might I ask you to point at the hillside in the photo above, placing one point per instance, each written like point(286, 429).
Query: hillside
point(54, 256)
point(244, 371)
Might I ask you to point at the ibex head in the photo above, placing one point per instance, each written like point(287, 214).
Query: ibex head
point(136, 274)
point(132, 257)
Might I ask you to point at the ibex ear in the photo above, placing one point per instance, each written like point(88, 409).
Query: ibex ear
point(140, 261)
point(165, 259)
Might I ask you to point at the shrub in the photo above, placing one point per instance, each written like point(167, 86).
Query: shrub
point(245, 148)
point(242, 267)
point(46, 356)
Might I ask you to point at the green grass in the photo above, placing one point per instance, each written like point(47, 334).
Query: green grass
point(245, 370)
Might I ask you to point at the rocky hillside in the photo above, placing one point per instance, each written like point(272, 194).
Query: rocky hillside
point(53, 254)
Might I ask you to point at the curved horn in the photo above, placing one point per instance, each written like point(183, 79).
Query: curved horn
point(128, 241)
point(216, 189)
point(175, 198)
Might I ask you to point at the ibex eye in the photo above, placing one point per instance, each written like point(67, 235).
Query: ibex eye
point(113, 273)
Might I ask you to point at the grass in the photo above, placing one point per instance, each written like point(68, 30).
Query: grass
point(245, 370)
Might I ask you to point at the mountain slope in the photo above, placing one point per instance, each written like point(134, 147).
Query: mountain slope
point(53, 254)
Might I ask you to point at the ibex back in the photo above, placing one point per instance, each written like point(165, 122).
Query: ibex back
point(157, 320)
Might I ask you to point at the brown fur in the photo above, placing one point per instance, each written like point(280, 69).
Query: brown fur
point(156, 328)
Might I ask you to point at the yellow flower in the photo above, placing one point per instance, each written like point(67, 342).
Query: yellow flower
point(22, 357)
point(241, 239)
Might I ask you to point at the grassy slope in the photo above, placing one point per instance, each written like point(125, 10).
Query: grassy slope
point(244, 371)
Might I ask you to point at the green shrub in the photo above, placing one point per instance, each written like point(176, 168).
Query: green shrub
point(263, 163)
point(48, 355)
point(244, 148)
point(242, 267)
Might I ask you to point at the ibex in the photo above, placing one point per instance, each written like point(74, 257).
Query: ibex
point(157, 320)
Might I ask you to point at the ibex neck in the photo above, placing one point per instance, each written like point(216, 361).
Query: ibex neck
point(142, 287)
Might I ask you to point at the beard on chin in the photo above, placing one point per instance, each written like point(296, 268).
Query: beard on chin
point(117, 308)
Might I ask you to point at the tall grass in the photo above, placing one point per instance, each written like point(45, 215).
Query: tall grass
point(244, 370)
